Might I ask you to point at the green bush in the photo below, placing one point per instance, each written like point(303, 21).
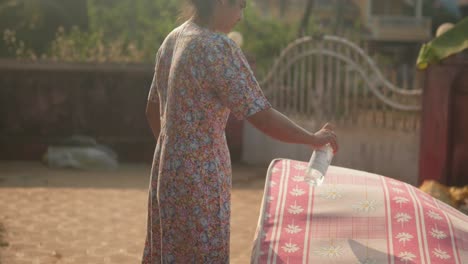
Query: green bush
point(264, 38)
point(132, 30)
point(143, 23)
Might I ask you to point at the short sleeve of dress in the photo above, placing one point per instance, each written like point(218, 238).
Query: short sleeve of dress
point(233, 80)
point(153, 92)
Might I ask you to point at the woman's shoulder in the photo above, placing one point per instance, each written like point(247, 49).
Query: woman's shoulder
point(222, 40)
point(208, 39)
point(219, 43)
point(169, 41)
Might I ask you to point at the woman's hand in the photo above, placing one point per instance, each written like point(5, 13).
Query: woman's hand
point(280, 127)
point(324, 136)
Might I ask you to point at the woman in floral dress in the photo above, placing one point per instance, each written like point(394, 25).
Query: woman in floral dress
point(201, 76)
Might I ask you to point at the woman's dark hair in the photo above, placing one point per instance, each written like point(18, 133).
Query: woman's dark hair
point(200, 8)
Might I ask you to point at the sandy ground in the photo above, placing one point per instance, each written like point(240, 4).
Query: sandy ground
point(67, 216)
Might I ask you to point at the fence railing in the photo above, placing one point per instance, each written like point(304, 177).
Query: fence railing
point(332, 78)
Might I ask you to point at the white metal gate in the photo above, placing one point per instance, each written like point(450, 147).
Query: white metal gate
point(333, 79)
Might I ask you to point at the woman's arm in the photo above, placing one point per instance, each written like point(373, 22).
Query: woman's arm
point(280, 127)
point(153, 117)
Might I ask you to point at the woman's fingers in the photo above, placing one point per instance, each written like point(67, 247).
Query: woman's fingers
point(333, 143)
point(334, 146)
point(333, 140)
point(327, 135)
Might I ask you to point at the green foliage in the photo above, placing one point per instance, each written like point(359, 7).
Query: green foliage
point(133, 30)
point(146, 23)
point(92, 46)
point(142, 22)
point(35, 22)
point(16, 46)
point(264, 38)
point(451, 42)
point(3, 242)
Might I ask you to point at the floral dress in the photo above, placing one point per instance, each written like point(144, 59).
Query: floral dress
point(200, 77)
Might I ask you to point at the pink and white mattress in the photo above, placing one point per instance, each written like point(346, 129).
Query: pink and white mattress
point(354, 217)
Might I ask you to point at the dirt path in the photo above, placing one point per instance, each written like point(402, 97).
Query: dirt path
point(64, 216)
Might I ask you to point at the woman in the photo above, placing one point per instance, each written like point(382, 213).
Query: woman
point(200, 77)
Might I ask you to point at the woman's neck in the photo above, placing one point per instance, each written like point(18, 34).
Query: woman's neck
point(206, 23)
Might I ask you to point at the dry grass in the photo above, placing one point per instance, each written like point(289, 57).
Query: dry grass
point(3, 242)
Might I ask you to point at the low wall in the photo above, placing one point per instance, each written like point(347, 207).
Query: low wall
point(385, 152)
point(43, 102)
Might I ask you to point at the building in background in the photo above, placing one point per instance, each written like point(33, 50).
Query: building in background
point(395, 21)
point(463, 5)
point(394, 28)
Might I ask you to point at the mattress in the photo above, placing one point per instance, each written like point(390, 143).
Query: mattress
point(354, 217)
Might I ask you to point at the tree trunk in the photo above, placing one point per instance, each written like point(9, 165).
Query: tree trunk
point(338, 25)
point(305, 18)
point(283, 5)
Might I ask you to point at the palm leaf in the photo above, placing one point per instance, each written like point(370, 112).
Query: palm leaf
point(451, 42)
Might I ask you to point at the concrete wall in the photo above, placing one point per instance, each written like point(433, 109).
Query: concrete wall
point(42, 103)
point(389, 153)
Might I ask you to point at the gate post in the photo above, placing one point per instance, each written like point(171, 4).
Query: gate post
point(444, 143)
